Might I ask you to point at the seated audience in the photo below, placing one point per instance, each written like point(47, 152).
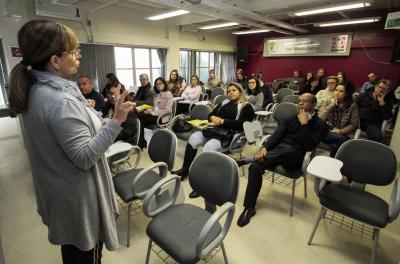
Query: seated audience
point(341, 116)
point(190, 95)
point(373, 108)
point(230, 114)
point(342, 79)
point(212, 82)
point(256, 97)
point(268, 97)
point(295, 83)
point(324, 96)
point(145, 93)
point(286, 146)
point(322, 78)
point(111, 79)
point(91, 95)
point(313, 87)
point(307, 81)
point(163, 102)
point(242, 79)
point(175, 83)
point(370, 84)
point(129, 127)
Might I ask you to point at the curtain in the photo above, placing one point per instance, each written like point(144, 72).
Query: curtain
point(225, 66)
point(97, 60)
point(162, 55)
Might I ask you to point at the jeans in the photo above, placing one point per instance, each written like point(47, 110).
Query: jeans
point(335, 140)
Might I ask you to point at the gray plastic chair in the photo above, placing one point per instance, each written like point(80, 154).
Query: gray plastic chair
point(220, 98)
point(364, 162)
point(291, 98)
point(187, 232)
point(283, 111)
point(134, 183)
point(282, 93)
point(216, 91)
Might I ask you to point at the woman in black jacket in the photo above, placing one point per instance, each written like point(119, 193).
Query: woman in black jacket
point(230, 114)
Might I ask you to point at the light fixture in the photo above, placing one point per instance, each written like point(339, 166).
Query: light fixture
point(167, 14)
point(332, 8)
point(251, 31)
point(221, 25)
point(348, 22)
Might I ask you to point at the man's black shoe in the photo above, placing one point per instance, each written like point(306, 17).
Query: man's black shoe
point(194, 194)
point(245, 216)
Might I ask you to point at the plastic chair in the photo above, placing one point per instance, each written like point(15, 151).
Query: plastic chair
point(216, 91)
point(187, 232)
point(282, 93)
point(291, 98)
point(220, 98)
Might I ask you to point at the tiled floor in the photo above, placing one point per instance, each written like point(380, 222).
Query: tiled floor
point(271, 237)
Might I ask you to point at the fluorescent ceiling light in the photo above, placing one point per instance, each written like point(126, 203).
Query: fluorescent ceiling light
point(348, 22)
point(332, 8)
point(221, 25)
point(167, 14)
point(251, 31)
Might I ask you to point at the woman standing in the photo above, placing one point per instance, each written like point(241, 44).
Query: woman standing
point(341, 115)
point(324, 96)
point(65, 143)
point(230, 114)
point(256, 97)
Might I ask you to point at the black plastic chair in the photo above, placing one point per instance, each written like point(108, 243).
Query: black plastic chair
point(364, 162)
point(187, 232)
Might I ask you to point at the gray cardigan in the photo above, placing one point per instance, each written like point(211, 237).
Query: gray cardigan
point(257, 101)
point(72, 181)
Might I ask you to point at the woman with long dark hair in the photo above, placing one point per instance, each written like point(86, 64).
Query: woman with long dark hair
point(65, 142)
point(341, 115)
point(111, 78)
point(256, 97)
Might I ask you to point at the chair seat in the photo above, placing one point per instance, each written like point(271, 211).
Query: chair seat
point(118, 156)
point(293, 173)
point(324, 146)
point(358, 204)
point(123, 183)
point(184, 135)
point(176, 231)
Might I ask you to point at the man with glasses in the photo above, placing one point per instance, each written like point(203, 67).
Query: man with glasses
point(374, 107)
point(369, 85)
point(286, 146)
point(145, 93)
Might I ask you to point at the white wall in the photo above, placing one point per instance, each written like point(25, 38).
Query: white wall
point(118, 25)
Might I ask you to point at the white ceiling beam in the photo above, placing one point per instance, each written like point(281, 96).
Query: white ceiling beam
point(250, 15)
point(214, 13)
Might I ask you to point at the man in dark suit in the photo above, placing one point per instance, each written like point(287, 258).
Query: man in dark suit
point(91, 95)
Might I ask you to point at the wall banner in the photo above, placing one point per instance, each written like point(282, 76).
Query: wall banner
point(337, 44)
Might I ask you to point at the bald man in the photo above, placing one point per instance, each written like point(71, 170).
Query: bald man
point(286, 146)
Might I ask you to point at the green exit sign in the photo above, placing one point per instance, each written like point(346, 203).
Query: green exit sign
point(393, 21)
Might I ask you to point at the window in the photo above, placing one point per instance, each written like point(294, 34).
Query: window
point(185, 58)
point(3, 77)
point(130, 63)
point(204, 62)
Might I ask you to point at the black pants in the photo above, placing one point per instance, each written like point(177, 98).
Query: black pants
point(73, 255)
point(283, 154)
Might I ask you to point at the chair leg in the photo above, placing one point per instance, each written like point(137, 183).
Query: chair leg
point(224, 253)
point(148, 251)
point(320, 216)
point(273, 177)
point(305, 186)
point(375, 239)
point(243, 171)
point(292, 199)
point(128, 237)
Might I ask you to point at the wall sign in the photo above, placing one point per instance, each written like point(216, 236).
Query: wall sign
point(337, 44)
point(393, 21)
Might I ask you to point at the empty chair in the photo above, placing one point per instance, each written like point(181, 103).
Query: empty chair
point(134, 183)
point(187, 232)
point(220, 98)
point(364, 162)
point(291, 98)
point(282, 93)
point(217, 91)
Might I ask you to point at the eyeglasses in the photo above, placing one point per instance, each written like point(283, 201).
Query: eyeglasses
point(252, 82)
point(331, 82)
point(303, 101)
point(76, 52)
point(370, 77)
point(159, 83)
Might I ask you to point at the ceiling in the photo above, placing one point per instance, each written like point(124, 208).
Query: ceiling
point(250, 14)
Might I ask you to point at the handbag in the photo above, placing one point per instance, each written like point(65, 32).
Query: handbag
point(181, 125)
point(223, 135)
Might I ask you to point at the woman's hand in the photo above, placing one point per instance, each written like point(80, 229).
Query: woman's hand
point(122, 108)
point(261, 154)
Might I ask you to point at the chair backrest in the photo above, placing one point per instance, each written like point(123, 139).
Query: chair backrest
point(367, 162)
point(291, 98)
point(284, 110)
point(282, 93)
point(162, 147)
point(200, 112)
point(215, 176)
point(220, 98)
point(217, 91)
point(137, 134)
point(252, 130)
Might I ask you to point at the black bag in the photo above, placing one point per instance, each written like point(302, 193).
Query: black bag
point(223, 135)
point(181, 125)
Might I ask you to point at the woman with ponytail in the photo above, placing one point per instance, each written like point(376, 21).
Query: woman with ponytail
point(65, 143)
